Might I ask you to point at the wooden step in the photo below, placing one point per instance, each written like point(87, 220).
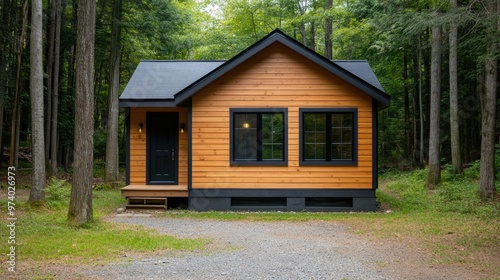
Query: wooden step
point(147, 202)
point(155, 191)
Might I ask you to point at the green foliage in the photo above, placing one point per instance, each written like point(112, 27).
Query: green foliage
point(57, 193)
point(456, 194)
point(100, 142)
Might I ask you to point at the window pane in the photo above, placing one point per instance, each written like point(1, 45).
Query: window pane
point(258, 136)
point(347, 135)
point(314, 136)
point(336, 135)
point(272, 136)
point(341, 136)
point(341, 151)
point(244, 120)
point(315, 151)
point(245, 136)
point(347, 120)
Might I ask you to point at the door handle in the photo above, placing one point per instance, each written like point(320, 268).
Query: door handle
point(173, 154)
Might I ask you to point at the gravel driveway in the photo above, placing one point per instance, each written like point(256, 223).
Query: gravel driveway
point(254, 250)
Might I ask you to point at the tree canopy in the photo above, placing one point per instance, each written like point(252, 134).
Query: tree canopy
point(394, 36)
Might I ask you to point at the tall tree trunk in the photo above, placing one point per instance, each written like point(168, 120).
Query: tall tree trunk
point(112, 159)
point(4, 31)
point(312, 42)
point(36, 88)
point(50, 73)
point(302, 25)
point(407, 144)
point(434, 175)
point(456, 158)
point(16, 103)
point(421, 105)
point(328, 31)
point(487, 170)
point(18, 135)
point(55, 95)
point(80, 207)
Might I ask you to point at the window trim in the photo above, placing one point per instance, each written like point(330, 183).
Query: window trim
point(337, 162)
point(232, 127)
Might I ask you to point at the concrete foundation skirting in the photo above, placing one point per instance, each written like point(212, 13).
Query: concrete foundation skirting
point(317, 200)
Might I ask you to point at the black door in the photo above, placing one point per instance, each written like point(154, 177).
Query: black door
point(162, 148)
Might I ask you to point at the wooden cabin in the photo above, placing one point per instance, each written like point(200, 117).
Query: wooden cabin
point(277, 127)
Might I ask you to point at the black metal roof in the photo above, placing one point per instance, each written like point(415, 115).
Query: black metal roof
point(170, 83)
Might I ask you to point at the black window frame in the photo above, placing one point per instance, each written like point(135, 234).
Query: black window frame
point(328, 161)
point(259, 161)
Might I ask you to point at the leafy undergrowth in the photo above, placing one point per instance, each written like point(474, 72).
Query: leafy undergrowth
point(43, 237)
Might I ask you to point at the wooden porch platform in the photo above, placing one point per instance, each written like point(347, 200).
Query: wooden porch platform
point(153, 191)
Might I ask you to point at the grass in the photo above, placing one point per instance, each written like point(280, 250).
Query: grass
point(451, 223)
point(43, 237)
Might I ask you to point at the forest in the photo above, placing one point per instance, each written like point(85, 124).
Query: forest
point(437, 59)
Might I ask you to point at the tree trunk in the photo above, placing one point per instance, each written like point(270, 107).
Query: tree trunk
point(50, 73)
point(456, 158)
point(312, 42)
point(112, 159)
point(421, 105)
point(55, 95)
point(328, 31)
point(37, 194)
point(80, 207)
point(407, 144)
point(16, 103)
point(302, 25)
point(3, 64)
point(487, 170)
point(434, 175)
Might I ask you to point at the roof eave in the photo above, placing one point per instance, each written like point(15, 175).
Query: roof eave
point(137, 103)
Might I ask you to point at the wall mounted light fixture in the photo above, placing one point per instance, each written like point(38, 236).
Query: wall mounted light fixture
point(182, 126)
point(246, 125)
point(140, 127)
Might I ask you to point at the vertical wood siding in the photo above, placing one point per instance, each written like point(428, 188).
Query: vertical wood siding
point(275, 78)
point(138, 144)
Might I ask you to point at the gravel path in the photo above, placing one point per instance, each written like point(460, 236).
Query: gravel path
point(254, 250)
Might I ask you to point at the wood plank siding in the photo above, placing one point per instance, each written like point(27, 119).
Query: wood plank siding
point(275, 78)
point(138, 145)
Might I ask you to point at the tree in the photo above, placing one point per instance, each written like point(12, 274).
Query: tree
point(55, 88)
point(487, 170)
point(114, 86)
point(36, 88)
point(80, 207)
point(328, 30)
point(4, 50)
point(14, 147)
point(453, 68)
point(434, 175)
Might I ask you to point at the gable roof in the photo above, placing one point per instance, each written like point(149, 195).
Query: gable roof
point(170, 83)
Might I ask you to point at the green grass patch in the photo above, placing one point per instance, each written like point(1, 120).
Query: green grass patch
point(46, 237)
point(42, 234)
